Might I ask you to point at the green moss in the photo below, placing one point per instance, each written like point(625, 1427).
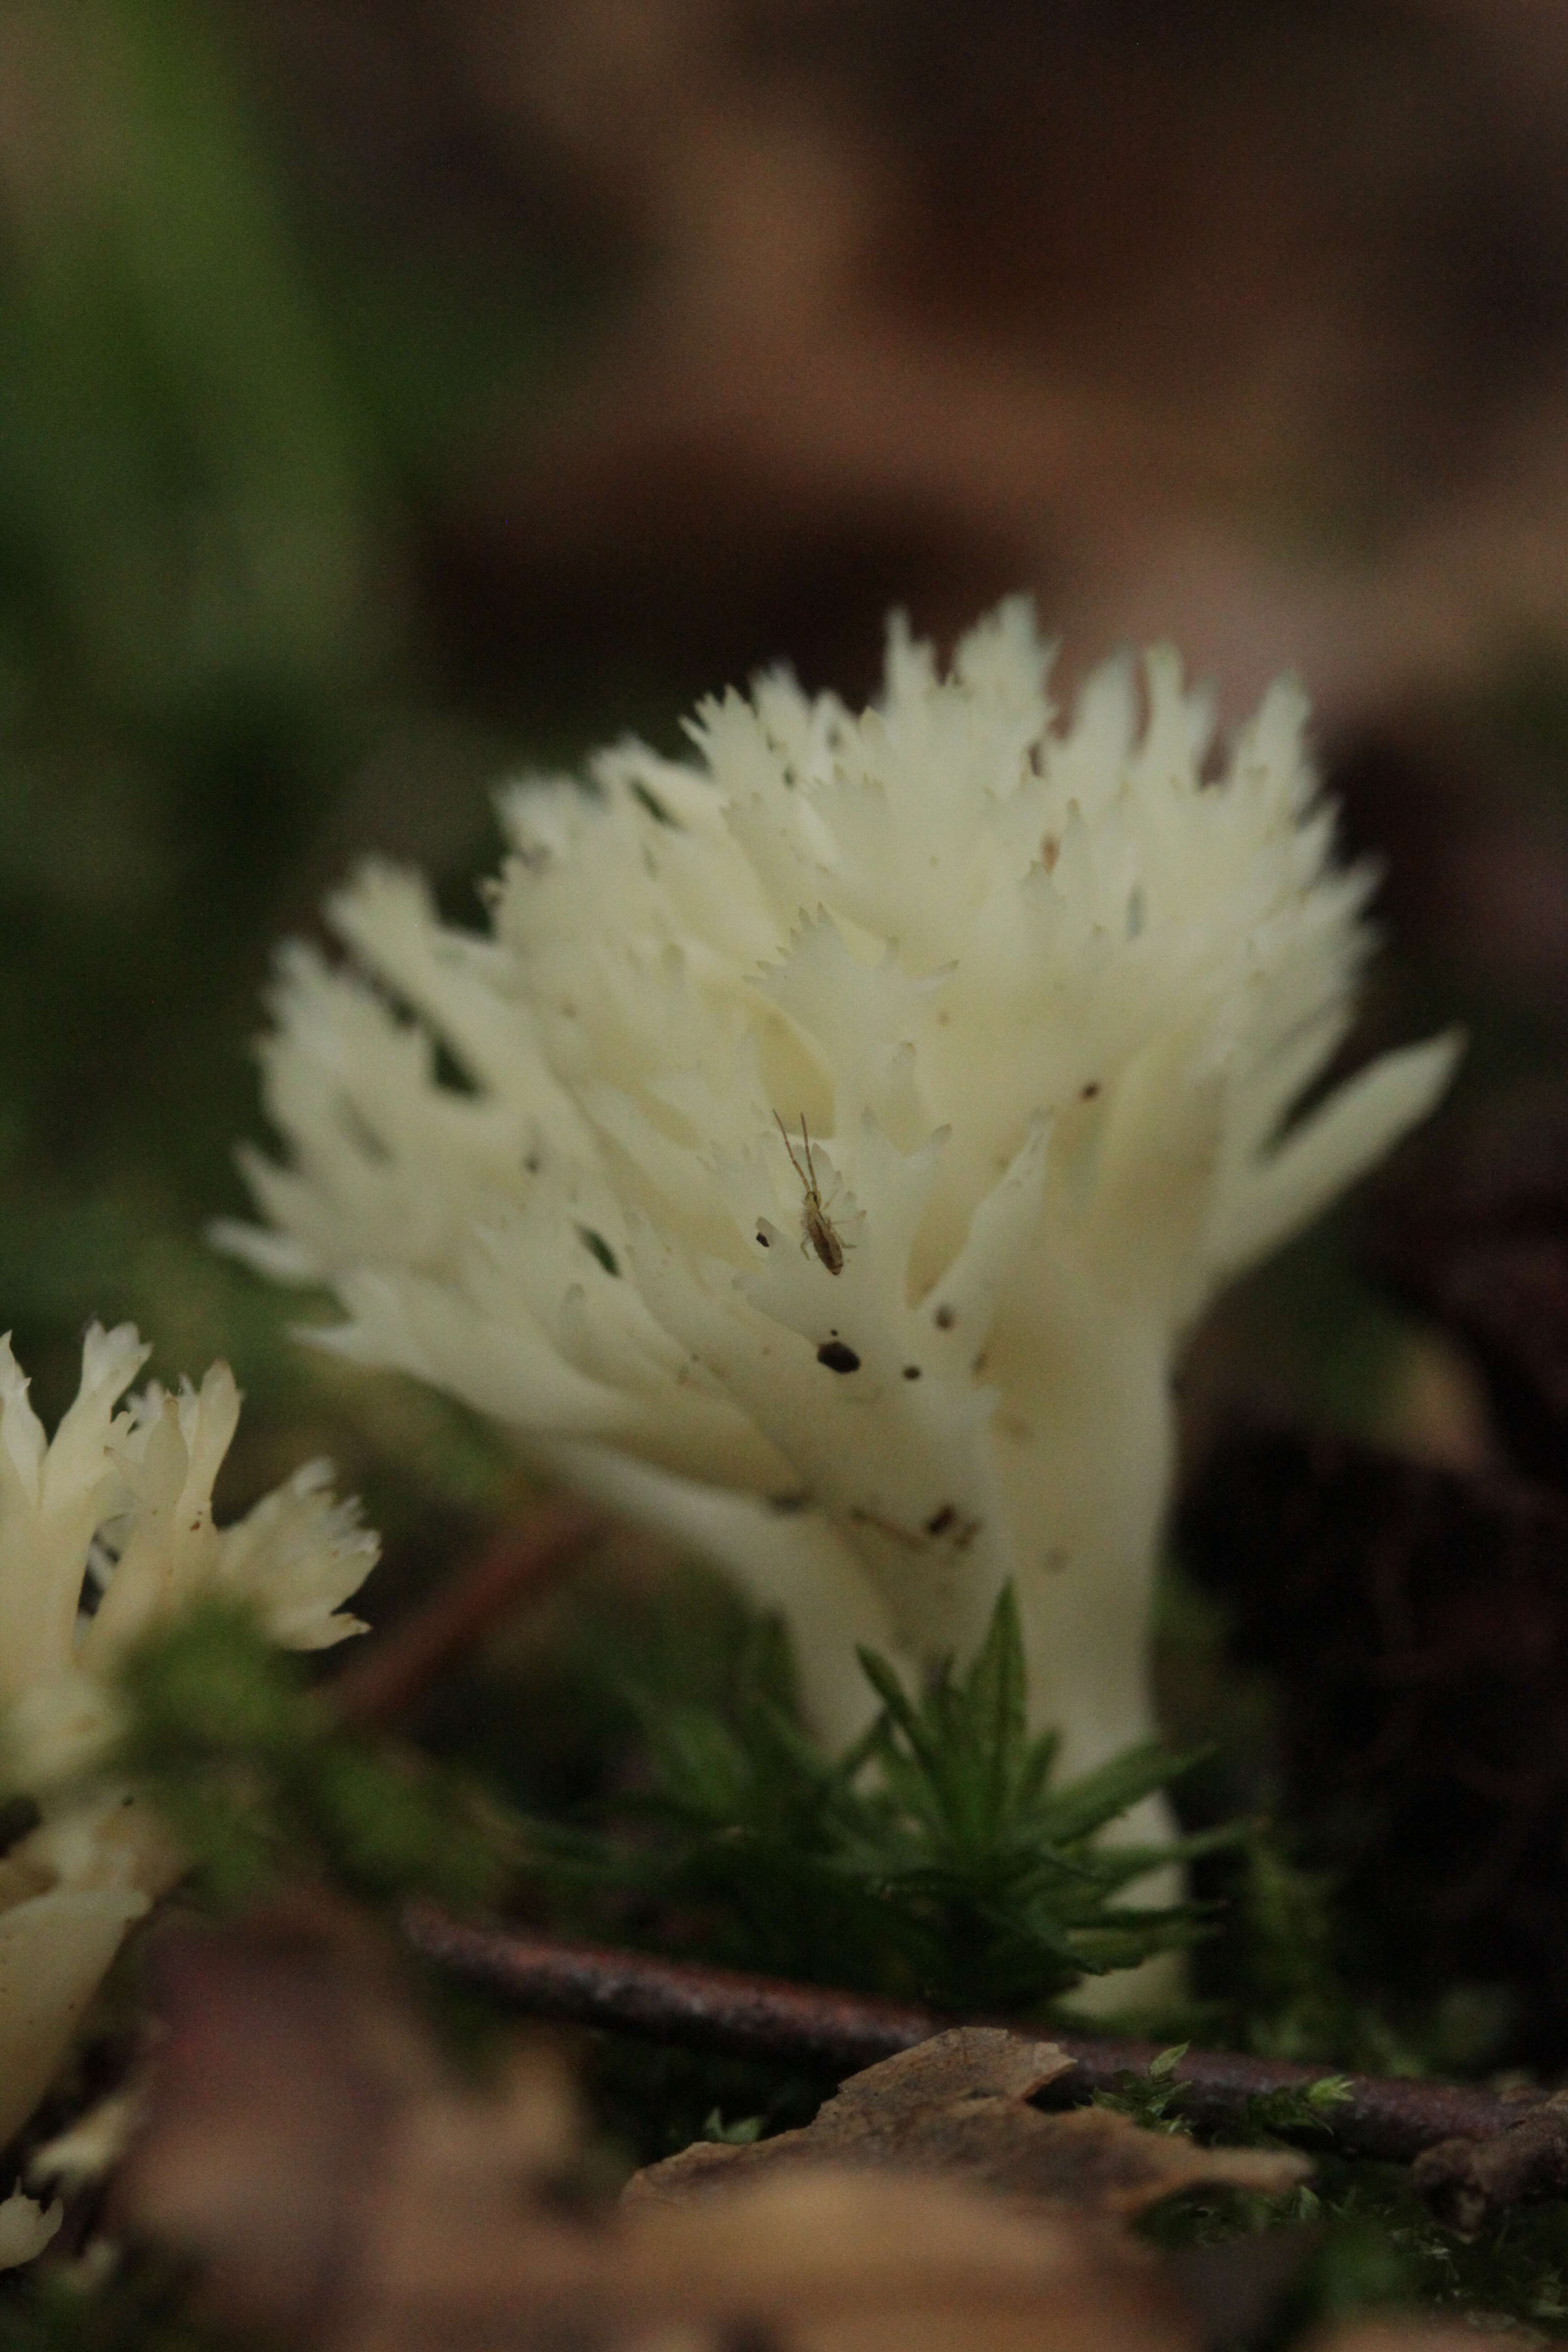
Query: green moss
point(143, 2307)
point(258, 1781)
point(1376, 2241)
point(936, 1855)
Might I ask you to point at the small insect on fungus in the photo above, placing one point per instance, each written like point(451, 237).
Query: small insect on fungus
point(817, 1225)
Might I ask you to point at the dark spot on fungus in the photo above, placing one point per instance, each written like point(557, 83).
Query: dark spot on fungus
point(911, 1371)
point(597, 1246)
point(655, 806)
point(940, 1521)
point(532, 1163)
point(764, 1241)
point(945, 1319)
point(837, 1357)
point(1087, 1094)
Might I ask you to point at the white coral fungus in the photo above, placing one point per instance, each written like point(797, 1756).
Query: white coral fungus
point(120, 1500)
point(1041, 997)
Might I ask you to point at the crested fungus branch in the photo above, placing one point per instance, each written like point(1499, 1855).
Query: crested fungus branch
point(105, 1530)
point(825, 1151)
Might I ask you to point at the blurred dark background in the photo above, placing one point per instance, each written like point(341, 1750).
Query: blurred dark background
point(393, 395)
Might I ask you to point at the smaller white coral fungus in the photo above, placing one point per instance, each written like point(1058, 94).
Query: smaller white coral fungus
point(120, 1501)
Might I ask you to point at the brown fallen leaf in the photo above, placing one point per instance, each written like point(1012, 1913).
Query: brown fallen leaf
point(926, 318)
point(846, 2261)
point(832, 2260)
point(295, 2097)
point(1418, 2336)
point(304, 2143)
point(828, 2258)
point(957, 2107)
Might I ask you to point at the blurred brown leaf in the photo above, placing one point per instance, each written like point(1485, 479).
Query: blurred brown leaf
point(1246, 329)
point(1416, 2335)
point(296, 2113)
point(305, 2146)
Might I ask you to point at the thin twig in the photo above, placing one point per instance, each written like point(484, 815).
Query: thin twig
point(379, 1688)
point(755, 2016)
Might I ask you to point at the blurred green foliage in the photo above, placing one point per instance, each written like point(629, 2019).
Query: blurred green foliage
point(217, 413)
point(143, 2306)
point(261, 1786)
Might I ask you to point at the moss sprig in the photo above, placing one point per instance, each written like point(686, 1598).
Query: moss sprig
point(935, 1854)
